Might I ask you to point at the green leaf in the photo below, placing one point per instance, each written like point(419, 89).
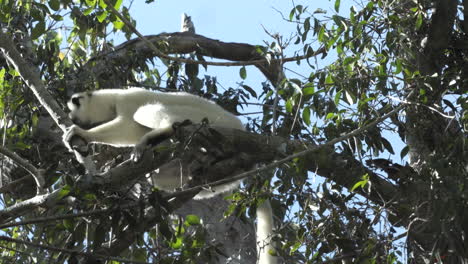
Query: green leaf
point(338, 97)
point(90, 2)
point(321, 34)
point(38, 30)
point(330, 116)
point(118, 24)
point(102, 4)
point(243, 73)
point(250, 90)
point(337, 5)
point(68, 224)
point(289, 105)
point(63, 192)
point(176, 244)
point(140, 254)
point(54, 5)
point(306, 115)
point(362, 183)
point(191, 220)
point(387, 146)
point(117, 5)
point(398, 67)
point(101, 17)
point(90, 197)
point(57, 17)
point(88, 11)
point(2, 74)
point(308, 89)
point(419, 21)
point(307, 24)
point(404, 152)
point(291, 14)
point(296, 246)
point(329, 81)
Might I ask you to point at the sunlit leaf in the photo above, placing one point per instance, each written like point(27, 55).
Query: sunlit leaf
point(338, 97)
point(289, 105)
point(419, 21)
point(118, 3)
point(177, 243)
point(90, 2)
point(362, 183)
point(337, 5)
point(308, 89)
point(192, 220)
point(63, 192)
point(118, 24)
point(101, 17)
point(306, 115)
point(243, 72)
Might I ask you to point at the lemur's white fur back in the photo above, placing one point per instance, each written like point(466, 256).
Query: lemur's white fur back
point(129, 117)
point(142, 110)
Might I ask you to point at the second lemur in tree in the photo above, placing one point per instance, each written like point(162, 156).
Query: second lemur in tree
point(136, 117)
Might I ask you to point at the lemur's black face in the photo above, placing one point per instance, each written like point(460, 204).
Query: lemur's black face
point(81, 113)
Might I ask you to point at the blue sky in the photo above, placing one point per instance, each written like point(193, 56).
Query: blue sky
point(230, 21)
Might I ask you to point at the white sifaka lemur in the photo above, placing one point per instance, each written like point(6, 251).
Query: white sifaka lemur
point(137, 117)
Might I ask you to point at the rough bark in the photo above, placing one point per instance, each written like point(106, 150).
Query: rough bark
point(429, 135)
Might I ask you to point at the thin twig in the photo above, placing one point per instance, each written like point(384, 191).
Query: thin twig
point(423, 105)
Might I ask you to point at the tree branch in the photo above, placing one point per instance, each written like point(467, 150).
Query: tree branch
point(69, 251)
point(385, 190)
point(146, 47)
point(37, 174)
point(438, 37)
point(28, 205)
point(31, 77)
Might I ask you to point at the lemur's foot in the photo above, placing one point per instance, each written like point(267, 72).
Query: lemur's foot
point(71, 134)
point(138, 151)
point(186, 122)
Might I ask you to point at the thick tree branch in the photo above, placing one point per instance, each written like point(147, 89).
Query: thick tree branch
point(20, 208)
point(438, 37)
point(31, 77)
point(162, 55)
point(330, 167)
point(264, 148)
point(465, 17)
point(137, 49)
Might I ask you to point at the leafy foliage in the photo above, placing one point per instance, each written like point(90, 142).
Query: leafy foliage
point(355, 201)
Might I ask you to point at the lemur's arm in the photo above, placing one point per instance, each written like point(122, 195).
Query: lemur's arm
point(117, 132)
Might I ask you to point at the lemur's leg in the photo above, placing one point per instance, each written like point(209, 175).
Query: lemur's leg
point(155, 137)
point(151, 139)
